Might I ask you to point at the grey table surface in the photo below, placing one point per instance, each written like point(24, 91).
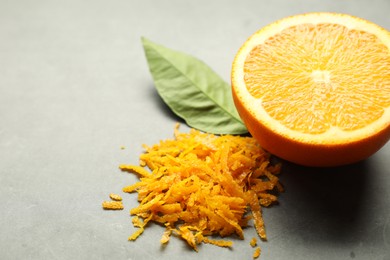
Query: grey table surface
point(75, 87)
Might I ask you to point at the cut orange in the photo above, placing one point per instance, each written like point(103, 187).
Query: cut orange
point(314, 89)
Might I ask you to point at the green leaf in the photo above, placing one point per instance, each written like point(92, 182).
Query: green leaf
point(193, 91)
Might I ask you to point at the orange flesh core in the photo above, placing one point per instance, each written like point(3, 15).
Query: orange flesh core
point(314, 62)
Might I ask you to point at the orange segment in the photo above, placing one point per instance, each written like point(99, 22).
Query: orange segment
point(316, 84)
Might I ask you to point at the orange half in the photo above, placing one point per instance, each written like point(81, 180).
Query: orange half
point(314, 89)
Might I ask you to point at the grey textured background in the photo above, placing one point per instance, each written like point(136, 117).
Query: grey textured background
point(75, 87)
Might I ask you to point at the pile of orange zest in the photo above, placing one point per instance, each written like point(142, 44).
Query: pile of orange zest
point(201, 185)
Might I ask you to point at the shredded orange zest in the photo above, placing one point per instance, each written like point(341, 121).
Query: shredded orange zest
point(166, 236)
point(253, 242)
point(141, 226)
point(221, 243)
point(201, 185)
point(256, 253)
point(115, 197)
point(112, 205)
